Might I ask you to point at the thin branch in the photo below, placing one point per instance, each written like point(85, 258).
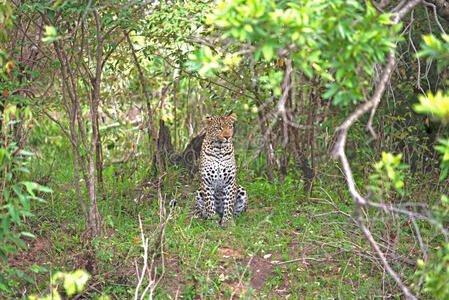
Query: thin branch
point(418, 80)
point(381, 255)
point(405, 10)
point(140, 274)
point(435, 14)
point(399, 6)
point(208, 80)
point(442, 7)
point(339, 150)
point(66, 133)
point(389, 207)
point(150, 122)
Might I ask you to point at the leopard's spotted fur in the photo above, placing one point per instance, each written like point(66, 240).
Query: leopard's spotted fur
point(219, 193)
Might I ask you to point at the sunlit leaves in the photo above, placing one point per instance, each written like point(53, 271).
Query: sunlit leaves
point(388, 174)
point(231, 60)
point(5, 17)
point(243, 19)
point(337, 41)
point(50, 34)
point(434, 48)
point(204, 61)
point(268, 51)
point(73, 283)
point(272, 81)
point(436, 273)
point(435, 105)
point(443, 148)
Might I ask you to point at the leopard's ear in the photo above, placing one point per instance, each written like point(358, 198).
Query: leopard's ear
point(232, 117)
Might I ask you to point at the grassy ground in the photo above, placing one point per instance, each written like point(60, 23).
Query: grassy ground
point(284, 246)
point(287, 245)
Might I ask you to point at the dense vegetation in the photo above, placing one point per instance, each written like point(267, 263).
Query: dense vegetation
point(341, 141)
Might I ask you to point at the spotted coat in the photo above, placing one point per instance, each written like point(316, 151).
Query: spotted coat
point(219, 193)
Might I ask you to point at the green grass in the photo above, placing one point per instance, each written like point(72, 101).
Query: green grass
point(201, 258)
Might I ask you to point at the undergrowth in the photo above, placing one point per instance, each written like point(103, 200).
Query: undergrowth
point(287, 244)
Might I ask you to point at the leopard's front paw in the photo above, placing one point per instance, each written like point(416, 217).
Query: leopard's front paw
point(210, 216)
point(225, 223)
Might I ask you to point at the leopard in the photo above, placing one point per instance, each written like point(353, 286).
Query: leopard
point(219, 193)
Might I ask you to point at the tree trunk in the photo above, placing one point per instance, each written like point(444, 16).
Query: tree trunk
point(170, 157)
point(94, 221)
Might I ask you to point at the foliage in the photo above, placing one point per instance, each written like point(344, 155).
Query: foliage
point(5, 22)
point(436, 273)
point(444, 150)
point(237, 53)
point(15, 201)
point(73, 283)
point(434, 48)
point(338, 41)
point(436, 106)
point(388, 175)
point(17, 192)
point(51, 34)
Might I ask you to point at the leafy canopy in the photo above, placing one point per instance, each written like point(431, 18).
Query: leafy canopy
point(337, 41)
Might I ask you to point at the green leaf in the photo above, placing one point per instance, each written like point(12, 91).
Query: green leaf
point(4, 153)
point(437, 105)
point(27, 153)
point(340, 74)
point(268, 52)
point(37, 269)
point(13, 213)
point(21, 169)
point(443, 174)
point(4, 288)
point(444, 199)
point(75, 282)
point(331, 91)
point(28, 234)
point(50, 30)
point(32, 186)
point(50, 34)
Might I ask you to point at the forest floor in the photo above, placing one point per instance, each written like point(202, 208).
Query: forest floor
point(286, 245)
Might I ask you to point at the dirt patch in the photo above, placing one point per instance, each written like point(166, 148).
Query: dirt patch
point(259, 269)
point(85, 261)
point(228, 253)
point(174, 280)
point(38, 253)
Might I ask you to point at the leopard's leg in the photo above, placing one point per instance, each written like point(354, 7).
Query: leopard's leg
point(219, 200)
point(228, 204)
point(241, 200)
point(200, 205)
point(209, 201)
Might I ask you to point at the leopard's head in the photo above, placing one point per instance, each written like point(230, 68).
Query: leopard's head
point(220, 128)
